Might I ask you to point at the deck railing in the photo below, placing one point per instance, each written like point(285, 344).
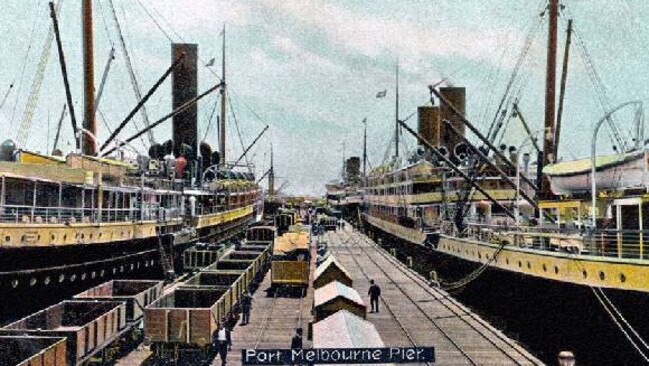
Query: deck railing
point(600, 242)
point(57, 215)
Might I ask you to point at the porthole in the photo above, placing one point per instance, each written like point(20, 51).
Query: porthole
point(486, 256)
point(545, 268)
point(529, 265)
point(584, 273)
point(556, 270)
point(479, 255)
point(507, 261)
point(121, 268)
point(38, 237)
point(33, 281)
point(602, 275)
point(7, 238)
point(146, 263)
point(138, 264)
point(101, 274)
point(83, 235)
point(114, 270)
point(520, 264)
point(14, 283)
point(132, 266)
point(65, 237)
point(61, 278)
point(53, 237)
point(93, 274)
point(100, 235)
point(83, 276)
point(91, 236)
point(622, 278)
point(23, 238)
point(47, 280)
point(73, 278)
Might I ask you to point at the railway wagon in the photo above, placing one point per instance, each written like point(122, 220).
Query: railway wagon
point(87, 326)
point(242, 254)
point(290, 263)
point(234, 283)
point(137, 294)
point(284, 219)
point(32, 351)
point(261, 235)
point(194, 259)
point(185, 317)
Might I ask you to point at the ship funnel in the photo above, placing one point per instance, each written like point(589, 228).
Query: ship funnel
point(455, 96)
point(184, 87)
point(429, 124)
point(461, 151)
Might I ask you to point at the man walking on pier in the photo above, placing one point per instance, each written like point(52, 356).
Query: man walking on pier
point(374, 292)
point(222, 341)
point(246, 305)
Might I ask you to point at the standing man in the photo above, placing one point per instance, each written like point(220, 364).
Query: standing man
point(374, 292)
point(246, 305)
point(296, 342)
point(222, 341)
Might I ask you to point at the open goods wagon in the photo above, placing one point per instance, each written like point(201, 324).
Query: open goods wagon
point(87, 326)
point(137, 294)
point(31, 351)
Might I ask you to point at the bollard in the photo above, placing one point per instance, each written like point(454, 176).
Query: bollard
point(566, 358)
point(393, 251)
point(409, 261)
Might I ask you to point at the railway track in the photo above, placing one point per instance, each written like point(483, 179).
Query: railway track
point(465, 345)
point(385, 303)
point(453, 305)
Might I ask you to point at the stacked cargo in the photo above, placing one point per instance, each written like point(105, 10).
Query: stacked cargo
point(291, 258)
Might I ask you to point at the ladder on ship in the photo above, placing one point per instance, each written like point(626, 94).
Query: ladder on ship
point(165, 260)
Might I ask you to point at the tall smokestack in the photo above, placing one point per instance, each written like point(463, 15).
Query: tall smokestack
point(456, 96)
point(89, 144)
point(429, 124)
point(184, 87)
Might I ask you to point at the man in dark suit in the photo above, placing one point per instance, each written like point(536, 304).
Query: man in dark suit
point(374, 292)
point(246, 305)
point(296, 342)
point(222, 341)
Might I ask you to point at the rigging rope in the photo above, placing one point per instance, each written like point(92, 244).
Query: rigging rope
point(24, 62)
point(236, 124)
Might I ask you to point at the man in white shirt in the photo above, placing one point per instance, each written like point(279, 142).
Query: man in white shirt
point(222, 341)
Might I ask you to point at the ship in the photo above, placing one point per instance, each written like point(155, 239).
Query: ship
point(535, 241)
point(71, 222)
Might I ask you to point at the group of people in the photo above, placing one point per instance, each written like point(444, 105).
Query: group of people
point(222, 339)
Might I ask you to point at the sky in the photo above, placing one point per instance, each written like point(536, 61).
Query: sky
point(311, 71)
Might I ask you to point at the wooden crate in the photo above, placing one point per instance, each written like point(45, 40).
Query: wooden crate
point(187, 315)
point(136, 293)
point(88, 325)
point(32, 351)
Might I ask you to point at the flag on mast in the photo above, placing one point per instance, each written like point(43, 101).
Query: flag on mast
point(382, 93)
point(211, 62)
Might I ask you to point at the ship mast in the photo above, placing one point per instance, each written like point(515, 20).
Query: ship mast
point(223, 107)
point(365, 147)
point(550, 89)
point(89, 131)
point(271, 176)
point(396, 113)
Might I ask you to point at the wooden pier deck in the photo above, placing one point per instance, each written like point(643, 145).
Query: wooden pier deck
point(273, 319)
point(412, 313)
